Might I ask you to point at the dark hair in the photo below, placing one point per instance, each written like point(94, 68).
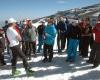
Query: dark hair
point(6, 22)
point(99, 16)
point(51, 18)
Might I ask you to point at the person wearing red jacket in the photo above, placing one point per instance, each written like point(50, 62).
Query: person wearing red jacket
point(95, 53)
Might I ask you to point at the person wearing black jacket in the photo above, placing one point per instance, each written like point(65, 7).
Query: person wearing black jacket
point(40, 31)
point(62, 30)
point(73, 37)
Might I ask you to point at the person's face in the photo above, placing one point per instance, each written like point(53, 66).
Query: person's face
point(26, 22)
point(14, 24)
point(62, 19)
point(86, 21)
point(29, 23)
point(50, 21)
point(1, 32)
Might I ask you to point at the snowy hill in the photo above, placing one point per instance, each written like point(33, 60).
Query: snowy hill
point(79, 12)
point(86, 11)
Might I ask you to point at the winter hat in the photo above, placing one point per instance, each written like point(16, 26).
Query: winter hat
point(75, 21)
point(41, 21)
point(11, 20)
point(28, 19)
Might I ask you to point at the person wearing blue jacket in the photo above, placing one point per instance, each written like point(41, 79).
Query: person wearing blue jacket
point(50, 34)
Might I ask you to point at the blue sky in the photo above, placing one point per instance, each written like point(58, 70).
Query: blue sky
point(20, 9)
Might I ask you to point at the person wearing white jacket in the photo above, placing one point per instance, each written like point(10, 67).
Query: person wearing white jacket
point(14, 39)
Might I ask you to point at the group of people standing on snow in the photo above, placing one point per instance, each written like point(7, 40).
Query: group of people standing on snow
point(21, 40)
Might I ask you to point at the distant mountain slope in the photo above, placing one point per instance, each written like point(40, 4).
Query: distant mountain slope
point(79, 12)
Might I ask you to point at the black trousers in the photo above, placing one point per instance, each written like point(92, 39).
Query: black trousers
point(61, 41)
point(48, 50)
point(2, 57)
point(84, 46)
point(92, 53)
point(32, 46)
point(26, 48)
point(23, 46)
point(91, 41)
point(96, 54)
point(80, 45)
point(16, 51)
